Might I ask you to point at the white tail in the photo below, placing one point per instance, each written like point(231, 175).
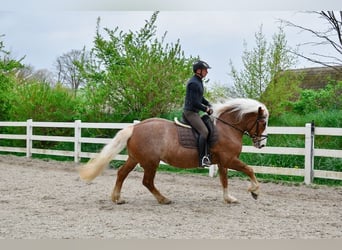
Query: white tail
point(95, 166)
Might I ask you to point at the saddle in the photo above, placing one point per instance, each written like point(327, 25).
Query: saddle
point(188, 136)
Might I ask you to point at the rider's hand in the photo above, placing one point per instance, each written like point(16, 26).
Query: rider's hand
point(209, 111)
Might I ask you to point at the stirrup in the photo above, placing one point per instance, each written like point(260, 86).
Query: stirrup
point(205, 161)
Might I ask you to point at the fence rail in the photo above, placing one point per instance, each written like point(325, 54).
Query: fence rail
point(309, 152)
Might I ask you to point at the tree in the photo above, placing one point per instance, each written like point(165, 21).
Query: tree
point(261, 65)
point(8, 64)
point(67, 67)
point(134, 74)
point(8, 67)
point(251, 81)
point(331, 37)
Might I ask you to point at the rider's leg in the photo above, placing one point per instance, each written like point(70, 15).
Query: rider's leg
point(196, 122)
point(203, 152)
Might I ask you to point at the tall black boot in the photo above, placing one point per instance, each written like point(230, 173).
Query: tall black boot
point(203, 152)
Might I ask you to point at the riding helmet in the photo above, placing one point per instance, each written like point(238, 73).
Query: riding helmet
point(200, 65)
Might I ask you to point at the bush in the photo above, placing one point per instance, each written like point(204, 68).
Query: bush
point(327, 98)
point(40, 102)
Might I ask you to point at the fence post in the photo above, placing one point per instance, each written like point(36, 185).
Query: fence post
point(309, 152)
point(77, 143)
point(29, 131)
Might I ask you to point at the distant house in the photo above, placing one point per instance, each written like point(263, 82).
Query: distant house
point(317, 77)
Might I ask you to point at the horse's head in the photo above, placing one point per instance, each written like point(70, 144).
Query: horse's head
point(248, 116)
point(258, 132)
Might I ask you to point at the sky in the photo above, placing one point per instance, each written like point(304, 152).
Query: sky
point(215, 31)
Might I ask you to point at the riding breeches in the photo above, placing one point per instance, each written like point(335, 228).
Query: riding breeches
point(196, 122)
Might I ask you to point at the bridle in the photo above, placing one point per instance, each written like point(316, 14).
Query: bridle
point(247, 132)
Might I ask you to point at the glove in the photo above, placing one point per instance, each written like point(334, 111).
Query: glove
point(210, 111)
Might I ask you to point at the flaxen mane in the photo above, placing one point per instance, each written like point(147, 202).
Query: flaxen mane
point(241, 105)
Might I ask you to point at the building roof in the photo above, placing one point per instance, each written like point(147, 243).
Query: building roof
point(317, 77)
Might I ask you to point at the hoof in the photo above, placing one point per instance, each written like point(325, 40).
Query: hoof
point(119, 202)
point(231, 200)
point(165, 201)
point(254, 195)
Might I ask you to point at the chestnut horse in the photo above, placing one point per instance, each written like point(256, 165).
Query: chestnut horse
point(154, 140)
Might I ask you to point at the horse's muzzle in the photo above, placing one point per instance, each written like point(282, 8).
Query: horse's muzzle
point(260, 142)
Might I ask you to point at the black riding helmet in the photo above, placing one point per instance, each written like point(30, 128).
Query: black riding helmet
point(200, 65)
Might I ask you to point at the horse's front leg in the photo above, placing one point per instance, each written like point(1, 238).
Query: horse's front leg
point(238, 165)
point(224, 181)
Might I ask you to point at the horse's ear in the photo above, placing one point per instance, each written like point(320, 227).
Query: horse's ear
point(260, 110)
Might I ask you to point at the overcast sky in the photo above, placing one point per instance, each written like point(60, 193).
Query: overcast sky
point(43, 30)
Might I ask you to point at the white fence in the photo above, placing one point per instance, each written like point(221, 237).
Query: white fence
point(309, 152)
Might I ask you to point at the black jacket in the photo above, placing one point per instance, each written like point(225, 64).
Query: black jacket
point(194, 100)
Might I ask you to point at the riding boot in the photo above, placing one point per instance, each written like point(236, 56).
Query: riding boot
point(203, 152)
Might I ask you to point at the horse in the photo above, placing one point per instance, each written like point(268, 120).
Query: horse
point(156, 139)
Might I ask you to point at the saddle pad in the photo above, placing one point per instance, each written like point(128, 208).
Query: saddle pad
point(187, 137)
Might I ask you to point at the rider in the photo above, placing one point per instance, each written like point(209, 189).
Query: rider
point(195, 102)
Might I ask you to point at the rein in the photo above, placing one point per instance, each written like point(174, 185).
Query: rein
point(245, 132)
point(231, 125)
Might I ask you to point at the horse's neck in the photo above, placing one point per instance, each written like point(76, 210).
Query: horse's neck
point(230, 126)
point(238, 126)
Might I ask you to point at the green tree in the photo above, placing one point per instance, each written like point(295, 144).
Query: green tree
point(281, 91)
point(134, 74)
point(283, 84)
point(8, 67)
point(261, 65)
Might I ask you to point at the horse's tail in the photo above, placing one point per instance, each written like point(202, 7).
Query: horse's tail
point(95, 166)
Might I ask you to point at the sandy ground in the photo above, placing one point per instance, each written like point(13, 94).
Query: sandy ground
point(47, 200)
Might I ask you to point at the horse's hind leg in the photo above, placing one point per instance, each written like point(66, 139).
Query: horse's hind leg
point(148, 181)
point(121, 176)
